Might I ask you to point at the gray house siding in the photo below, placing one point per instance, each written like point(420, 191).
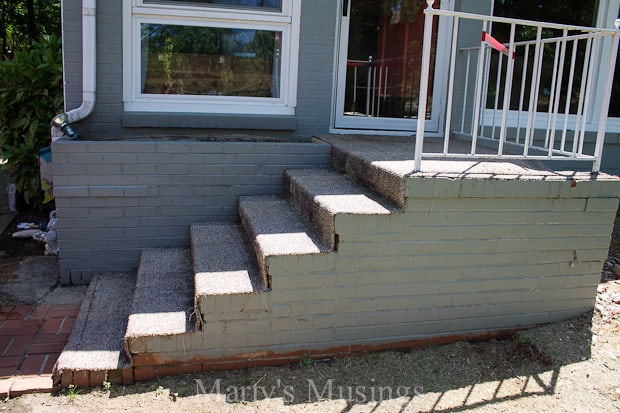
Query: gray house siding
point(315, 81)
point(116, 195)
point(611, 155)
point(72, 52)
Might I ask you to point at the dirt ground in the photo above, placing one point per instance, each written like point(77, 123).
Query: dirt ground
point(571, 366)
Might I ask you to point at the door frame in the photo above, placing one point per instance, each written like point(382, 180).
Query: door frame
point(393, 126)
point(605, 16)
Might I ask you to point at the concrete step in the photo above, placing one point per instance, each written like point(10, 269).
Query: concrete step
point(223, 263)
point(275, 228)
point(94, 352)
point(163, 300)
point(381, 165)
point(321, 194)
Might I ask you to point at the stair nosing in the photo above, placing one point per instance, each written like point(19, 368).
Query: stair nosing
point(135, 324)
point(237, 238)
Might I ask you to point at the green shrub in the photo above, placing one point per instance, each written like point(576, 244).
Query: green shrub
point(30, 96)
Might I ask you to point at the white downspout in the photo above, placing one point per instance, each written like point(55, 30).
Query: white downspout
point(61, 124)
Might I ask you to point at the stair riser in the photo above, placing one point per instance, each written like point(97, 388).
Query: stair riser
point(382, 182)
point(162, 343)
point(232, 307)
point(163, 298)
point(258, 255)
point(305, 204)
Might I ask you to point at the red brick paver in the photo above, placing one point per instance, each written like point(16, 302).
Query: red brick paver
point(31, 339)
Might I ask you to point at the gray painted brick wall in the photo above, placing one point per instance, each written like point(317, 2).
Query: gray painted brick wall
point(115, 198)
point(478, 258)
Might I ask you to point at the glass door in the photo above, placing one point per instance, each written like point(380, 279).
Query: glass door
point(380, 57)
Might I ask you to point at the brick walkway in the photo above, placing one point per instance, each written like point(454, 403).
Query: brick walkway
point(31, 339)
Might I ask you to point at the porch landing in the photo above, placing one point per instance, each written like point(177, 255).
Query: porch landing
point(395, 155)
point(363, 256)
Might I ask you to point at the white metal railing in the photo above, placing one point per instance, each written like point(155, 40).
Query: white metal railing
point(504, 110)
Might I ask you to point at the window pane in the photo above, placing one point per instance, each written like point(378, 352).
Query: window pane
point(384, 59)
point(579, 13)
point(253, 4)
point(190, 60)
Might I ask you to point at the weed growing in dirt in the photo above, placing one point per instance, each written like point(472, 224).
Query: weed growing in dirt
point(73, 392)
point(107, 385)
point(175, 395)
point(523, 339)
point(305, 361)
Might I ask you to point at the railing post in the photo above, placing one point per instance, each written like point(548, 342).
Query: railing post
point(479, 102)
point(531, 113)
point(424, 77)
point(507, 89)
point(449, 102)
point(369, 76)
point(581, 108)
point(602, 125)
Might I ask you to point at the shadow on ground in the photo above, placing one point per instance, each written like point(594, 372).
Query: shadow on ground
point(26, 275)
point(454, 377)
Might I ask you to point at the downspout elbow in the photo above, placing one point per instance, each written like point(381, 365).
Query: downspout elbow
point(61, 124)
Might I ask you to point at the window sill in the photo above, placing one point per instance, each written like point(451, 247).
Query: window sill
point(208, 121)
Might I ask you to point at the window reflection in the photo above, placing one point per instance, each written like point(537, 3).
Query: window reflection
point(191, 60)
point(253, 4)
point(578, 13)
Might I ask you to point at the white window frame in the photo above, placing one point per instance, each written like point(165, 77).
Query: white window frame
point(605, 18)
point(287, 21)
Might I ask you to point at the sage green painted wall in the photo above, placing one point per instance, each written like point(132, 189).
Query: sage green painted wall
point(465, 256)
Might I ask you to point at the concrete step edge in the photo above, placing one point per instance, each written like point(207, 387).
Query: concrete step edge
point(96, 341)
point(276, 229)
point(321, 194)
point(163, 299)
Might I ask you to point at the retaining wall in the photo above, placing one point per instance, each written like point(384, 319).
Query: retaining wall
point(465, 256)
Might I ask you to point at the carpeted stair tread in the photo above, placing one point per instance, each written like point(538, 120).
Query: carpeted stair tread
point(223, 262)
point(277, 227)
point(96, 341)
point(337, 193)
point(164, 294)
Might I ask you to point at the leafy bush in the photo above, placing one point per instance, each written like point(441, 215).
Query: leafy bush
point(30, 96)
